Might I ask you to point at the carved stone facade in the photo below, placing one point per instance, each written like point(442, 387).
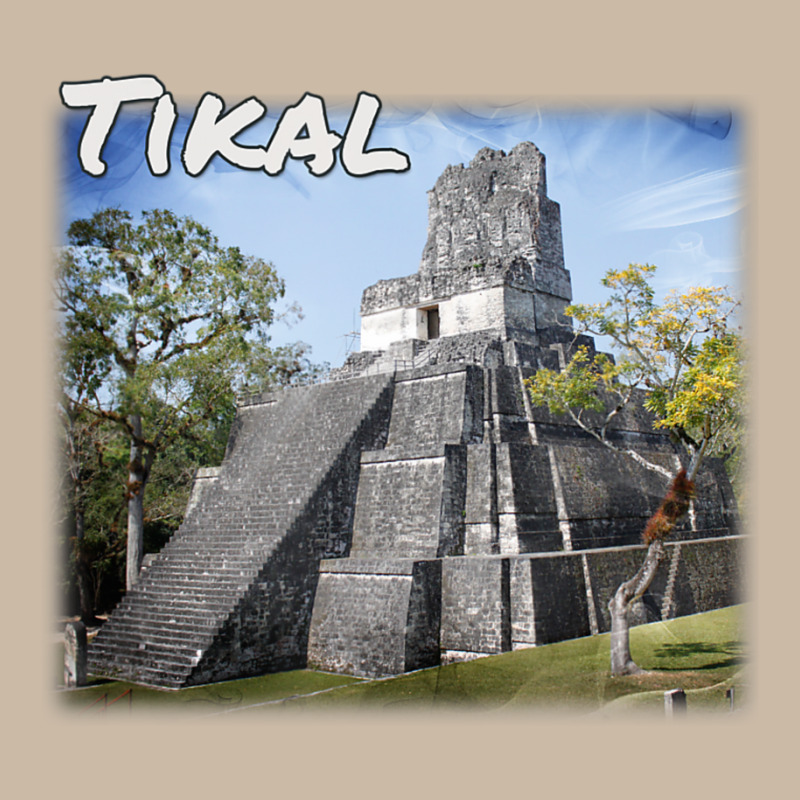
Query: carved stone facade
point(416, 510)
point(493, 260)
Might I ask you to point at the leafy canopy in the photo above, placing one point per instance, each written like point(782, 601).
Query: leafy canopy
point(158, 319)
point(684, 352)
point(160, 326)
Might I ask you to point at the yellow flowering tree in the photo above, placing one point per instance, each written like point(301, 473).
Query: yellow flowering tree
point(683, 359)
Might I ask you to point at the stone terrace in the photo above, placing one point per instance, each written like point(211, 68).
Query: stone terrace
point(283, 493)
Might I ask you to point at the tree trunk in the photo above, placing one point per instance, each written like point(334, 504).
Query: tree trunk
point(82, 572)
point(619, 606)
point(137, 478)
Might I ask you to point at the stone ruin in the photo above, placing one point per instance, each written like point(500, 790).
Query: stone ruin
point(415, 509)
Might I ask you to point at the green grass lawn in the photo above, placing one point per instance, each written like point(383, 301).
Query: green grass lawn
point(702, 654)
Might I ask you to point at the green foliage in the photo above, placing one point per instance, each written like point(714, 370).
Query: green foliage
point(93, 454)
point(684, 353)
point(577, 386)
point(162, 311)
point(160, 327)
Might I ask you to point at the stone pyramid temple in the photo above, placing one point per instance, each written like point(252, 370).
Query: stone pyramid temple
point(415, 509)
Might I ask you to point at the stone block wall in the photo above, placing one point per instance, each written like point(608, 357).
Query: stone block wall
point(437, 404)
point(710, 576)
point(377, 611)
point(489, 305)
point(481, 533)
point(607, 497)
point(383, 328)
point(483, 348)
point(493, 258)
point(410, 503)
point(343, 638)
point(483, 309)
point(527, 505)
point(490, 207)
point(491, 604)
point(376, 617)
point(558, 600)
point(231, 593)
point(476, 608)
point(268, 630)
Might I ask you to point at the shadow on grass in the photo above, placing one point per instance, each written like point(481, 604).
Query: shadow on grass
point(95, 681)
point(213, 699)
point(734, 650)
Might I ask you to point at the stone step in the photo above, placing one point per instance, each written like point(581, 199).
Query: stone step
point(198, 618)
point(213, 542)
point(203, 608)
point(231, 519)
point(236, 547)
point(237, 536)
point(234, 552)
point(178, 561)
point(155, 606)
point(201, 575)
point(208, 596)
point(170, 592)
point(148, 675)
point(189, 591)
point(210, 566)
point(143, 674)
point(213, 545)
point(199, 562)
point(184, 645)
point(185, 607)
point(132, 651)
point(172, 585)
point(208, 558)
point(182, 629)
point(127, 650)
point(185, 639)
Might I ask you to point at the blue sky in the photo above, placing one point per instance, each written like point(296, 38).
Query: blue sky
point(664, 186)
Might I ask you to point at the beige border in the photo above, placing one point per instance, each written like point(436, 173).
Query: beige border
point(592, 52)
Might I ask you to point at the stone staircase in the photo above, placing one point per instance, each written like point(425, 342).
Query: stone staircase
point(292, 459)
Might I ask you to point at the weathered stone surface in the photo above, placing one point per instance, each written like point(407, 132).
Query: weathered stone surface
point(493, 260)
point(675, 703)
point(376, 617)
point(75, 655)
point(476, 607)
point(558, 588)
point(493, 208)
point(231, 594)
point(417, 509)
point(399, 510)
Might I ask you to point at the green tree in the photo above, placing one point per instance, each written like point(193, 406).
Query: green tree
point(160, 326)
point(84, 445)
point(683, 359)
point(81, 459)
point(94, 455)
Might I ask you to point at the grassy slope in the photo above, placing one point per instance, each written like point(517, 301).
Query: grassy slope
point(700, 654)
point(693, 653)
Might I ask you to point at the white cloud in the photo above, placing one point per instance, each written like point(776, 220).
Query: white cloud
point(687, 262)
point(694, 198)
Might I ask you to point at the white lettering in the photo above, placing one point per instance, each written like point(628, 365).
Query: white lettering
point(316, 147)
point(105, 97)
point(165, 115)
point(302, 131)
point(355, 160)
point(211, 133)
